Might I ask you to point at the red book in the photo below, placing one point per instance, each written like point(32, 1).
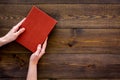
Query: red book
point(37, 27)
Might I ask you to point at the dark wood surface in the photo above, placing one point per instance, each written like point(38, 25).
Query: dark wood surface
point(58, 1)
point(84, 45)
point(76, 41)
point(96, 15)
point(63, 66)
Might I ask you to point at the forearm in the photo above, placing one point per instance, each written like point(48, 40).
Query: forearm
point(34, 58)
point(32, 72)
point(2, 41)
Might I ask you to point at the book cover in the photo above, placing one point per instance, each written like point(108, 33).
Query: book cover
point(37, 26)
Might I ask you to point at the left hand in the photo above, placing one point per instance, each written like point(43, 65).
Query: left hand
point(13, 33)
point(38, 54)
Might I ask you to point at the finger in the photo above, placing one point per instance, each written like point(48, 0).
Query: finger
point(20, 31)
point(38, 49)
point(44, 46)
point(16, 27)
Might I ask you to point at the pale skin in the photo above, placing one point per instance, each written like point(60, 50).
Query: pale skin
point(12, 34)
point(32, 71)
point(34, 58)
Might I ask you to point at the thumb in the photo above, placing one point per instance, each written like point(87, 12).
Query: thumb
point(20, 31)
point(38, 49)
point(15, 28)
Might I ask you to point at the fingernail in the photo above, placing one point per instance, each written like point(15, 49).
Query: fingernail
point(39, 45)
point(23, 28)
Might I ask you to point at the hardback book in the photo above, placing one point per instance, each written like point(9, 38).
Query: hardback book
point(37, 26)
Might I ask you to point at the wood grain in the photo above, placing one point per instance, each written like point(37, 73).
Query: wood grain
point(85, 44)
point(84, 15)
point(57, 1)
point(20, 79)
point(75, 41)
point(63, 65)
point(52, 79)
point(87, 79)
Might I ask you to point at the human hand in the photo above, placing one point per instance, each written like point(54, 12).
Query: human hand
point(38, 54)
point(13, 33)
point(34, 58)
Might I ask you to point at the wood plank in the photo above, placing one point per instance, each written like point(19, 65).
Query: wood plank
point(75, 41)
point(56, 1)
point(53, 79)
point(88, 79)
point(19, 79)
point(12, 78)
point(83, 16)
point(63, 65)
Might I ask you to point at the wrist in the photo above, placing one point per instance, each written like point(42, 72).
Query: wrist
point(32, 64)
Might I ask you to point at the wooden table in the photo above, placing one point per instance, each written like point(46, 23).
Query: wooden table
point(85, 44)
